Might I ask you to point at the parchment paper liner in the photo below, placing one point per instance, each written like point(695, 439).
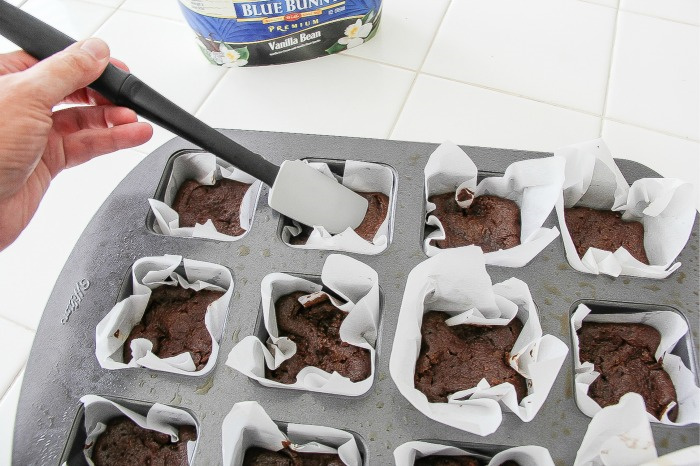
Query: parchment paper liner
point(455, 281)
point(530, 455)
point(665, 206)
point(685, 457)
point(161, 418)
point(361, 177)
point(248, 425)
point(149, 273)
point(672, 328)
point(618, 435)
point(206, 169)
point(533, 184)
point(354, 282)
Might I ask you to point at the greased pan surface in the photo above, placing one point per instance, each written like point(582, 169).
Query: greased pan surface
point(62, 365)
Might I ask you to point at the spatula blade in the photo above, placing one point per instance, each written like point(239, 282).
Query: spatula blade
point(304, 194)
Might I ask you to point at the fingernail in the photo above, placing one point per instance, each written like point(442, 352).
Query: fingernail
point(96, 48)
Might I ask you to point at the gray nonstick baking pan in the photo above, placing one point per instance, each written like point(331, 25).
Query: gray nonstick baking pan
point(62, 365)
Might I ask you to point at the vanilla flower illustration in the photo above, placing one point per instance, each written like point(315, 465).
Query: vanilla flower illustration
point(228, 57)
point(355, 34)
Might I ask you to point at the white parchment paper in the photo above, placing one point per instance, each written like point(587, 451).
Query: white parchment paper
point(686, 457)
point(672, 328)
point(361, 177)
point(456, 282)
point(149, 273)
point(161, 418)
point(357, 284)
point(248, 425)
point(535, 185)
point(530, 455)
point(664, 206)
point(206, 169)
point(618, 435)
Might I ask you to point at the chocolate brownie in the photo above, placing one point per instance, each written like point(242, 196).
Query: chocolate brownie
point(315, 328)
point(220, 203)
point(125, 443)
point(377, 209)
point(604, 229)
point(174, 323)
point(441, 460)
point(454, 358)
point(256, 456)
point(490, 222)
point(623, 354)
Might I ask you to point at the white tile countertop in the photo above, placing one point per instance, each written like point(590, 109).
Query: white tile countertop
point(501, 73)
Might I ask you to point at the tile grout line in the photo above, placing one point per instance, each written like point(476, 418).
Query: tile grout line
point(592, 2)
point(206, 97)
point(12, 383)
point(610, 67)
point(151, 15)
point(514, 94)
point(372, 60)
point(524, 97)
point(658, 17)
point(12, 321)
point(480, 86)
point(107, 18)
point(653, 130)
point(418, 72)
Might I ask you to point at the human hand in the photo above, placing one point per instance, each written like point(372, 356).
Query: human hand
point(36, 143)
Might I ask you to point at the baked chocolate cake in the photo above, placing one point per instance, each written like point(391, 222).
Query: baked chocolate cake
point(442, 460)
point(439, 460)
point(315, 328)
point(604, 229)
point(256, 456)
point(377, 209)
point(124, 443)
point(174, 323)
point(220, 203)
point(454, 358)
point(623, 354)
point(490, 222)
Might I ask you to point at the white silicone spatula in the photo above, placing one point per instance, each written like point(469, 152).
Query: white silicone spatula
point(297, 190)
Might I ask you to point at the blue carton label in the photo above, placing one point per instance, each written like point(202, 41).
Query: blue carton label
point(240, 33)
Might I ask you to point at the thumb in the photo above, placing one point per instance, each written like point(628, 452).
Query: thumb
point(53, 79)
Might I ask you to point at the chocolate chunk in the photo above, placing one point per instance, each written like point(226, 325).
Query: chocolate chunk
point(174, 323)
point(125, 443)
point(604, 229)
point(441, 460)
point(256, 456)
point(465, 198)
point(455, 358)
point(490, 222)
point(377, 210)
point(623, 354)
point(316, 332)
point(220, 203)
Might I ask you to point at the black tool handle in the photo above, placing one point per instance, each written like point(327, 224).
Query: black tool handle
point(41, 41)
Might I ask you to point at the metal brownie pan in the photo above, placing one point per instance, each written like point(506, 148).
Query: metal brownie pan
point(62, 365)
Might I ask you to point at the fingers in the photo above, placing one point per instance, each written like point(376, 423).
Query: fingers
point(74, 119)
point(15, 62)
point(119, 64)
point(50, 81)
point(90, 97)
point(86, 144)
